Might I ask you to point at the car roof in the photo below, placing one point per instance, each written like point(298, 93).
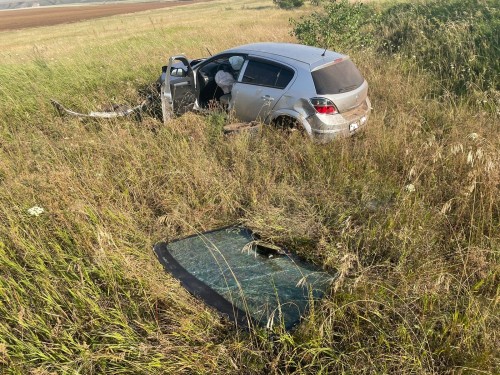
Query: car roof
point(311, 56)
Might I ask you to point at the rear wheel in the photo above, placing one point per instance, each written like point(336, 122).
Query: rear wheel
point(288, 124)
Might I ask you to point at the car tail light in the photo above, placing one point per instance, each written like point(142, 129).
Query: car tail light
point(324, 106)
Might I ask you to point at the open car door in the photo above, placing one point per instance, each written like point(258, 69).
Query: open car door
point(178, 89)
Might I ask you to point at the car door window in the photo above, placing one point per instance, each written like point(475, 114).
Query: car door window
point(265, 74)
point(208, 89)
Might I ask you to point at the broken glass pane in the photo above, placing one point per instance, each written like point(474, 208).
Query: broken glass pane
point(243, 278)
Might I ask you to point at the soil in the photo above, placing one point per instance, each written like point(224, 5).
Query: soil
point(47, 16)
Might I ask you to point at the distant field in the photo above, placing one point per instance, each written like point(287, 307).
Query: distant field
point(34, 17)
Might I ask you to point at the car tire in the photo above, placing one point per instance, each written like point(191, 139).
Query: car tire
point(288, 124)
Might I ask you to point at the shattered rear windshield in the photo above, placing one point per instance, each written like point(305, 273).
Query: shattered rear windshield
point(337, 78)
point(248, 282)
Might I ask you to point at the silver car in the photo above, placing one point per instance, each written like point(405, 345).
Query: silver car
point(315, 90)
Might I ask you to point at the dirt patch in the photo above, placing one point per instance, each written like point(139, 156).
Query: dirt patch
point(35, 17)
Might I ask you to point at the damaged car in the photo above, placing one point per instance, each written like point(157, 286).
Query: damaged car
point(317, 91)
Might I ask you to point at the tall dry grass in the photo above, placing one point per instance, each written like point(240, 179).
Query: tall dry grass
point(407, 213)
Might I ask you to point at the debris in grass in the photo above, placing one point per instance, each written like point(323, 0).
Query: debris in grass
point(410, 188)
point(125, 110)
point(117, 110)
point(239, 127)
point(36, 211)
point(250, 281)
point(473, 136)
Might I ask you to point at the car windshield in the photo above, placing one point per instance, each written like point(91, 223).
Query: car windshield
point(337, 78)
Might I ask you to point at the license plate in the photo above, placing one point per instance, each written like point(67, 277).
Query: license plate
point(353, 126)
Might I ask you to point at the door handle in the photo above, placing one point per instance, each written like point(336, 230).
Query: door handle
point(267, 97)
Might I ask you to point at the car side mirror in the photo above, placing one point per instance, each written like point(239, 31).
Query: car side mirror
point(178, 72)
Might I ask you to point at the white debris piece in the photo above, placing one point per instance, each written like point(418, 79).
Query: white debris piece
point(410, 188)
point(36, 211)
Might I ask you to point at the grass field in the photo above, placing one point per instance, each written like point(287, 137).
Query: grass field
point(408, 212)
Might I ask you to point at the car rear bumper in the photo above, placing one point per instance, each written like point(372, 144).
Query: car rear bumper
point(324, 128)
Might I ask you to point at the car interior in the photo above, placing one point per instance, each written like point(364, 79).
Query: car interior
point(209, 92)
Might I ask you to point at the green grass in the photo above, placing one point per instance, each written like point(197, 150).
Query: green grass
point(407, 212)
point(457, 41)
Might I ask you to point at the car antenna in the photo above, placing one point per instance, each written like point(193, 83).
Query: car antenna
point(323, 54)
point(210, 53)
